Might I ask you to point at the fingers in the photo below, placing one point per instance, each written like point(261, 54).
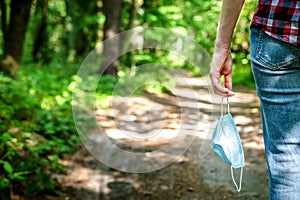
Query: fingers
point(228, 81)
point(219, 88)
point(222, 66)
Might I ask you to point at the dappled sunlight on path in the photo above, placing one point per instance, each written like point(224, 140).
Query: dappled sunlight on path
point(148, 123)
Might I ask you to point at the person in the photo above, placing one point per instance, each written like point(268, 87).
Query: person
point(275, 61)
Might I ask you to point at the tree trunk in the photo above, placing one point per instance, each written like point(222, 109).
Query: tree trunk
point(14, 33)
point(82, 33)
point(112, 10)
point(3, 18)
point(132, 14)
point(41, 34)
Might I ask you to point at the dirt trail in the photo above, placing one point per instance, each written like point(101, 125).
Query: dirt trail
point(189, 108)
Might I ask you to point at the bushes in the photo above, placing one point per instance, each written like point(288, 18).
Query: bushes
point(36, 127)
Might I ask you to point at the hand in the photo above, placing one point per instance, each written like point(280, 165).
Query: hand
point(222, 66)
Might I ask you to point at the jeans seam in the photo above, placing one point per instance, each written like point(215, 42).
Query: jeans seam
point(259, 46)
point(269, 64)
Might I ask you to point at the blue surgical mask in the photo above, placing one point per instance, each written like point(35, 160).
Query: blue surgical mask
point(227, 144)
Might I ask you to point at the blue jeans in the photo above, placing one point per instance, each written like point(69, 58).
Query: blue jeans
point(276, 70)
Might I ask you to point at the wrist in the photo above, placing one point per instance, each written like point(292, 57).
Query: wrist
point(223, 49)
point(223, 45)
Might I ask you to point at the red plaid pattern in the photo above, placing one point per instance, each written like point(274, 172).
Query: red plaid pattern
point(280, 19)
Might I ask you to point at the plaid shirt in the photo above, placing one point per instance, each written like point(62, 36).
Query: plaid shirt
point(280, 19)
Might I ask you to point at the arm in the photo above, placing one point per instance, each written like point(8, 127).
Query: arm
point(222, 60)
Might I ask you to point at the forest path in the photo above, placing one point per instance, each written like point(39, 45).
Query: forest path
point(189, 108)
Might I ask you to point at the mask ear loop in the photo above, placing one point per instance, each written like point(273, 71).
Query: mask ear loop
point(222, 106)
point(228, 108)
point(241, 173)
point(238, 188)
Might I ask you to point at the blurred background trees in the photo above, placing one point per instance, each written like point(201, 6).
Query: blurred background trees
point(43, 42)
point(65, 31)
point(14, 21)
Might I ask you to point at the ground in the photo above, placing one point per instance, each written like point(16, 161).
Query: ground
point(189, 171)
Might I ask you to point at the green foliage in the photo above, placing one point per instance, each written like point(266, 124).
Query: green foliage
point(197, 20)
point(73, 30)
point(36, 123)
point(37, 128)
point(146, 78)
point(242, 73)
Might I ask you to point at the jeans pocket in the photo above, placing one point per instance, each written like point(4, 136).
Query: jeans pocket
point(275, 54)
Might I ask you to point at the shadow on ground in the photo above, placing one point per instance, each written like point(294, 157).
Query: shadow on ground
point(186, 177)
